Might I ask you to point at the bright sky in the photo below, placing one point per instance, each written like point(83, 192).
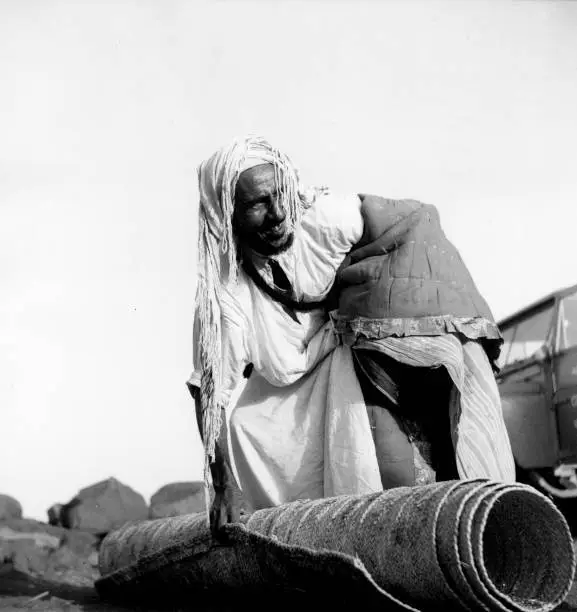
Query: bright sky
point(106, 108)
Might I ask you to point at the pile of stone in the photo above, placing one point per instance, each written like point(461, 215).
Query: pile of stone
point(65, 549)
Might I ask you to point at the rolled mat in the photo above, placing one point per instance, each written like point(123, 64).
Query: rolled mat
point(464, 545)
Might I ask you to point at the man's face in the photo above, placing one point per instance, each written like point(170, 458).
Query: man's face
point(259, 220)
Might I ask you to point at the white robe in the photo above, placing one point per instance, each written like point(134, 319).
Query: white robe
point(299, 426)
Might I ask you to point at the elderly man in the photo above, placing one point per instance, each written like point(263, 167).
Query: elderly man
point(340, 344)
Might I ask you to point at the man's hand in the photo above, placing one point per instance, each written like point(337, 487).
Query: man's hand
point(225, 509)
point(228, 500)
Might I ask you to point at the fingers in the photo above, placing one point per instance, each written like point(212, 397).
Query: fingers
point(222, 512)
point(233, 513)
point(216, 527)
point(216, 518)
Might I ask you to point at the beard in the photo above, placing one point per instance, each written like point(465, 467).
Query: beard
point(265, 242)
point(264, 245)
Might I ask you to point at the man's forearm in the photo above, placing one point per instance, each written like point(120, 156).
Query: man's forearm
point(220, 466)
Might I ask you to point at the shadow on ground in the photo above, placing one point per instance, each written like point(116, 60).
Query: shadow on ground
point(20, 591)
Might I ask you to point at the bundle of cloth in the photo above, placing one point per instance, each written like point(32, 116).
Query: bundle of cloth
point(425, 344)
point(473, 545)
point(405, 278)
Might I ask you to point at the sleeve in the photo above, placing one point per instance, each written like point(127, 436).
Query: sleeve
point(336, 222)
point(194, 378)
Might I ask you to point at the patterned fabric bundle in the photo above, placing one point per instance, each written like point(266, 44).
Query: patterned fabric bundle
point(457, 545)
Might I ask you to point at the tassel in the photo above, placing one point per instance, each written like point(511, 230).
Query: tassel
point(207, 489)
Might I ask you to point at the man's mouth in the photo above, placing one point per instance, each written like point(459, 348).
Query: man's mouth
point(276, 232)
point(275, 239)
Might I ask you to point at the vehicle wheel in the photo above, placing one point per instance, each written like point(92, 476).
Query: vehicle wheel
point(568, 508)
point(546, 482)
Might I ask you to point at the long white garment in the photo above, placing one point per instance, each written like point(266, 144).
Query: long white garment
point(299, 428)
point(314, 440)
point(309, 440)
point(480, 438)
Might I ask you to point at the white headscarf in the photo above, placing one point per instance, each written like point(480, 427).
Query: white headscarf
point(217, 254)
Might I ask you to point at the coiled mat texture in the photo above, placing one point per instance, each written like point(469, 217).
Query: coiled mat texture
point(458, 545)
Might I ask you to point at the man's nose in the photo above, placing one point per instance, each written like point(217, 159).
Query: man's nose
point(275, 210)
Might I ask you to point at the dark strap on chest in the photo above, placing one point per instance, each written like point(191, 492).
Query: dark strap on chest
point(282, 292)
point(280, 279)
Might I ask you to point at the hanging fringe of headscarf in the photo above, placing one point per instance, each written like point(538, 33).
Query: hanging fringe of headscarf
point(218, 261)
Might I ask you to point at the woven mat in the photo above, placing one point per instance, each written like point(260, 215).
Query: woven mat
point(464, 545)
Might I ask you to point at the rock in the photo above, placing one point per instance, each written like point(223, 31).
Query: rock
point(26, 550)
point(178, 498)
point(9, 508)
point(31, 526)
point(25, 556)
point(103, 507)
point(55, 514)
point(82, 543)
point(63, 565)
point(54, 553)
point(58, 565)
point(38, 539)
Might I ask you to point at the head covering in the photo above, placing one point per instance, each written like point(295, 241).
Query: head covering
point(250, 161)
point(217, 255)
